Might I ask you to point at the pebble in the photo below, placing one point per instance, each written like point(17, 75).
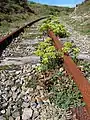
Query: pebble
point(33, 105)
point(27, 113)
point(15, 114)
point(14, 88)
point(2, 111)
point(1, 118)
point(35, 114)
point(10, 118)
point(17, 118)
point(61, 69)
point(25, 104)
point(15, 95)
point(18, 72)
point(8, 112)
point(39, 104)
point(33, 66)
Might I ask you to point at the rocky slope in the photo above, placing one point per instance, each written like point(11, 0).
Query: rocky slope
point(83, 8)
point(80, 18)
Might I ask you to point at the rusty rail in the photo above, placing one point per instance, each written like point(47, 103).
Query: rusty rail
point(70, 66)
point(72, 69)
point(80, 113)
point(5, 41)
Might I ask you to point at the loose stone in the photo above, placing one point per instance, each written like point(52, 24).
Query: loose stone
point(27, 113)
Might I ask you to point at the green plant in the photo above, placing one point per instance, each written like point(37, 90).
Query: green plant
point(31, 82)
point(85, 68)
point(53, 24)
point(50, 57)
point(65, 92)
point(47, 53)
point(71, 49)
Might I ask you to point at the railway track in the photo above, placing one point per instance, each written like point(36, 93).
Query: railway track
point(17, 62)
point(76, 74)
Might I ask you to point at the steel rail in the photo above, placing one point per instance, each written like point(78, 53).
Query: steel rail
point(70, 66)
point(5, 41)
point(80, 113)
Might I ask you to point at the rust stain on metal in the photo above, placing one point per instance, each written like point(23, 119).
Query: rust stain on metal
point(77, 75)
point(80, 113)
point(19, 30)
point(5, 41)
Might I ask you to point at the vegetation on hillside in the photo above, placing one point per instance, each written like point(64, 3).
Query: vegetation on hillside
point(83, 14)
point(9, 9)
point(14, 13)
point(49, 10)
point(14, 6)
point(80, 18)
point(83, 8)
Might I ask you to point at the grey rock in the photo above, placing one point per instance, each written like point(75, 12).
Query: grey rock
point(35, 114)
point(8, 112)
point(39, 105)
point(14, 88)
point(10, 118)
point(15, 114)
point(18, 118)
point(84, 57)
point(2, 118)
point(14, 96)
point(3, 111)
point(5, 104)
point(25, 104)
point(27, 113)
point(33, 105)
point(18, 72)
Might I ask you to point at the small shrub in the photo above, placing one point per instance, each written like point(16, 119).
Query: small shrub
point(53, 24)
point(48, 54)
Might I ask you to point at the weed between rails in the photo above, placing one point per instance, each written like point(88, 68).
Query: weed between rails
point(51, 74)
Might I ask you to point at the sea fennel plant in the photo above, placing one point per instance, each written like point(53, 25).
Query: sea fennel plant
point(48, 55)
point(53, 24)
